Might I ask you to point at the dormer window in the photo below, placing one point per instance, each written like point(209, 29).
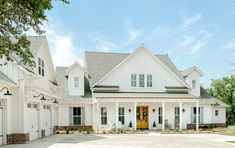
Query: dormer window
point(76, 82)
point(194, 84)
point(41, 67)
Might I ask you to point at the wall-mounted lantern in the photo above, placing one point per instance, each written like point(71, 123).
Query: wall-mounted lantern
point(43, 98)
point(7, 93)
point(183, 110)
point(154, 110)
point(129, 110)
point(55, 100)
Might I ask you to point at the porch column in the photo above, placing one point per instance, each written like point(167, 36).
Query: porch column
point(181, 114)
point(197, 114)
point(134, 118)
point(116, 104)
point(163, 116)
point(98, 117)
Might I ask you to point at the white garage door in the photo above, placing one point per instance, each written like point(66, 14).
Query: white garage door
point(1, 125)
point(46, 124)
point(32, 121)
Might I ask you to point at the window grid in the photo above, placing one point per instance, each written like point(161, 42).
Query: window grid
point(149, 80)
point(40, 67)
point(76, 115)
point(76, 82)
point(103, 116)
point(177, 114)
point(121, 115)
point(141, 80)
point(133, 80)
point(193, 84)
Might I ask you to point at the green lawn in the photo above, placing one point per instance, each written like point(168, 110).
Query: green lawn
point(230, 130)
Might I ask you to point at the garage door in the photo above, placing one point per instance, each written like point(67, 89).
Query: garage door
point(32, 121)
point(46, 123)
point(1, 125)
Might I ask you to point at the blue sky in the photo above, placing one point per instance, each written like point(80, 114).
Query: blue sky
point(200, 33)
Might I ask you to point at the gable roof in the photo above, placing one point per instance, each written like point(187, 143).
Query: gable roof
point(6, 79)
point(188, 71)
point(100, 64)
point(75, 64)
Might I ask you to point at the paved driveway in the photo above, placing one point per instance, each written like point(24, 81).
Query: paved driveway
point(133, 140)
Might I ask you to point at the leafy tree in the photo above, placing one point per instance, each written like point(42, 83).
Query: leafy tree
point(16, 18)
point(224, 89)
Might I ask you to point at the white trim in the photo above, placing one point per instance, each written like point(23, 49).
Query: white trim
point(75, 64)
point(142, 46)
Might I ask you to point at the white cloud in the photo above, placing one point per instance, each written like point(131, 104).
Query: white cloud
point(229, 45)
point(63, 50)
point(102, 44)
point(187, 40)
point(190, 20)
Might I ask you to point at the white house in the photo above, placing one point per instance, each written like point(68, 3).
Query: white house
point(135, 90)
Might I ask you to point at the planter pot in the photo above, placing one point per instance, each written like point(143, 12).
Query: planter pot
point(130, 128)
point(154, 128)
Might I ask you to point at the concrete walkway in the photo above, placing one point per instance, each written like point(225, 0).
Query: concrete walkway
point(131, 141)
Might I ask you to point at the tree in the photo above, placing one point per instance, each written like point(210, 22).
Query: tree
point(16, 18)
point(224, 89)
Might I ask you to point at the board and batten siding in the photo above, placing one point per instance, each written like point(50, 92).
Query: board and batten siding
point(141, 63)
point(76, 72)
point(195, 75)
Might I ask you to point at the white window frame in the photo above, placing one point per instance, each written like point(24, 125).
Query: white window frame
point(121, 114)
point(194, 84)
point(141, 81)
point(76, 81)
point(103, 115)
point(160, 117)
point(133, 80)
point(149, 80)
point(177, 113)
point(216, 112)
point(41, 67)
point(200, 115)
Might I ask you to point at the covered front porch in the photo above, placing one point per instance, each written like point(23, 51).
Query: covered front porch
point(161, 112)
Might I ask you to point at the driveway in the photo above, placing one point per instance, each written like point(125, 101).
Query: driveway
point(131, 140)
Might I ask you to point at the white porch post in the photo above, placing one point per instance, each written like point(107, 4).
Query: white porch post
point(134, 118)
point(163, 116)
point(181, 111)
point(116, 105)
point(197, 114)
point(98, 117)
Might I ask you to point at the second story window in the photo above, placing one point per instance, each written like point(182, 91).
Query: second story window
point(40, 67)
point(194, 84)
point(141, 80)
point(76, 82)
point(149, 80)
point(133, 80)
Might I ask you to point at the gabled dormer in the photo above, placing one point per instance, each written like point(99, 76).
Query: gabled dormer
point(76, 75)
point(192, 77)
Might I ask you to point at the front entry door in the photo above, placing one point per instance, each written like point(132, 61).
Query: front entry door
point(142, 117)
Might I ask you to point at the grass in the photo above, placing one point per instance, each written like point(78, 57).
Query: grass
point(230, 131)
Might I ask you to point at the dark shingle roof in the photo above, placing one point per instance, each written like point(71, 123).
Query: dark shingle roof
point(100, 63)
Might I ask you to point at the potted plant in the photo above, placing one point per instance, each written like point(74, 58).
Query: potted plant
point(130, 126)
point(154, 125)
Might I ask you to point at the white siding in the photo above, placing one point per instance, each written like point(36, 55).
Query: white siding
point(76, 72)
point(142, 63)
point(221, 118)
point(195, 75)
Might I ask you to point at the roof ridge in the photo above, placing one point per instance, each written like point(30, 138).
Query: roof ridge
point(103, 52)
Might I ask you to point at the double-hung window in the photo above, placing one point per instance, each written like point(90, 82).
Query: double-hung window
point(103, 116)
point(76, 82)
point(77, 116)
point(40, 67)
point(121, 115)
point(194, 84)
point(141, 80)
point(177, 115)
point(160, 115)
point(149, 80)
point(133, 80)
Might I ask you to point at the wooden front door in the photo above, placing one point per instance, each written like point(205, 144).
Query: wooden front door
point(142, 117)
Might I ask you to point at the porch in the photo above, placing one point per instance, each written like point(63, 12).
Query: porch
point(146, 113)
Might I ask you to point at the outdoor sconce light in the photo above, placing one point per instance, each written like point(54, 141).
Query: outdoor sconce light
point(55, 101)
point(7, 93)
point(154, 110)
point(43, 98)
point(183, 110)
point(129, 110)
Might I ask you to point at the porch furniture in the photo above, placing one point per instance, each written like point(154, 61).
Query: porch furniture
point(111, 126)
point(167, 125)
